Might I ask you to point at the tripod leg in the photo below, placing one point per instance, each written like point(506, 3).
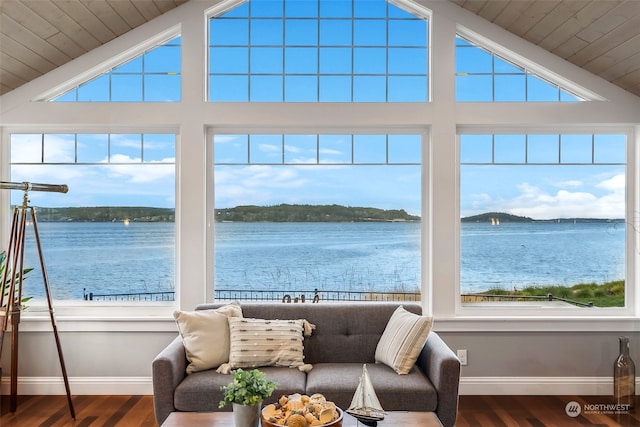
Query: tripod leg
point(51, 314)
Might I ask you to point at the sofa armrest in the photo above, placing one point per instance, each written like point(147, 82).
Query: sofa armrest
point(442, 367)
point(168, 370)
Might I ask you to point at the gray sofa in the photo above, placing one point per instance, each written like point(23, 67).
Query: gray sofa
point(345, 337)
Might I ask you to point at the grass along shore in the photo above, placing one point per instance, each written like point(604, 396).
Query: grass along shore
point(608, 294)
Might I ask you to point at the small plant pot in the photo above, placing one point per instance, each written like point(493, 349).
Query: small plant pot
point(246, 416)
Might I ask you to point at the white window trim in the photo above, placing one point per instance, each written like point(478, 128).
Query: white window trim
point(632, 256)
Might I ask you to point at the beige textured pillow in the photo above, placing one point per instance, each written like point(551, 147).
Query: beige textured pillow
point(205, 334)
point(260, 342)
point(402, 340)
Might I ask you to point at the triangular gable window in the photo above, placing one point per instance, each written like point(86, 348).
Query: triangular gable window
point(318, 51)
point(153, 76)
point(484, 76)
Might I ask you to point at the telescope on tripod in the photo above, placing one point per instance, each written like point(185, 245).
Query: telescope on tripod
point(11, 283)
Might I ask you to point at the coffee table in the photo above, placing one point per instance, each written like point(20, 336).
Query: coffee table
point(225, 419)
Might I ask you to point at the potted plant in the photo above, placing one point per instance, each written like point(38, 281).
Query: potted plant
point(246, 392)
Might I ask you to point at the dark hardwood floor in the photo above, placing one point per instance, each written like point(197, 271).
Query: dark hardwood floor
point(474, 411)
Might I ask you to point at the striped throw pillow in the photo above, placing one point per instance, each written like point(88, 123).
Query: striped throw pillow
point(402, 340)
point(262, 342)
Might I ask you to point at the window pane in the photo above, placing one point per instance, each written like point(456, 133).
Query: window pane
point(301, 60)
point(576, 149)
point(476, 149)
point(369, 89)
point(370, 33)
point(540, 90)
point(408, 33)
point(335, 88)
point(543, 148)
point(162, 59)
point(115, 221)
point(159, 148)
point(26, 148)
point(473, 60)
point(229, 88)
point(229, 32)
point(266, 89)
point(226, 60)
point(161, 88)
point(510, 89)
point(407, 88)
point(369, 61)
point(609, 149)
point(126, 88)
point(335, 61)
point(93, 148)
point(266, 8)
point(404, 148)
point(96, 90)
point(300, 226)
point(300, 88)
point(344, 38)
point(369, 149)
point(266, 60)
point(407, 61)
point(131, 66)
point(335, 149)
point(265, 149)
point(301, 9)
point(470, 88)
point(509, 148)
point(231, 148)
point(59, 148)
point(267, 32)
point(335, 33)
point(301, 32)
point(126, 148)
point(300, 149)
point(529, 229)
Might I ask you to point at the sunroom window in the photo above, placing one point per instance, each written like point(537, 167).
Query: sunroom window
point(543, 219)
point(318, 51)
point(484, 76)
point(153, 76)
point(112, 236)
point(337, 216)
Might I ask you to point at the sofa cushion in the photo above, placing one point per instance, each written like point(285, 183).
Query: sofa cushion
point(267, 342)
point(338, 383)
point(205, 334)
point(403, 339)
point(200, 391)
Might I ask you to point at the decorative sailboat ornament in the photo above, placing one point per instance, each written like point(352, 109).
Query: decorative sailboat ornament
point(365, 405)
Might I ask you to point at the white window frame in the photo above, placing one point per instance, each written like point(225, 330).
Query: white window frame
point(425, 246)
point(571, 316)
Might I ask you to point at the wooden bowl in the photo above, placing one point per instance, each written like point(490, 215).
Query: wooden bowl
point(335, 423)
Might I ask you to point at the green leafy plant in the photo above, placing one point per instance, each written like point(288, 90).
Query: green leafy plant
point(247, 388)
point(7, 284)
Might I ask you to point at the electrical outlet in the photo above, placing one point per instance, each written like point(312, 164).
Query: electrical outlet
point(462, 355)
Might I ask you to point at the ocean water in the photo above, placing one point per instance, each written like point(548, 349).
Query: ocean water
point(106, 258)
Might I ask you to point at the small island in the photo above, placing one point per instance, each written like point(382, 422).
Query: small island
point(250, 213)
point(312, 213)
point(503, 217)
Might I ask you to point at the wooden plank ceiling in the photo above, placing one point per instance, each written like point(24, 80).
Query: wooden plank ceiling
point(601, 36)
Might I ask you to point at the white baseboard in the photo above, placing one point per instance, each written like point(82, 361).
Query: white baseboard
point(550, 386)
point(80, 385)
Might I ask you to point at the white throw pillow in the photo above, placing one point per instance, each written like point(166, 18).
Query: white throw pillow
point(403, 339)
point(261, 342)
point(205, 335)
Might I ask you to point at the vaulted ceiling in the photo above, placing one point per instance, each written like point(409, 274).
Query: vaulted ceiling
point(600, 36)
